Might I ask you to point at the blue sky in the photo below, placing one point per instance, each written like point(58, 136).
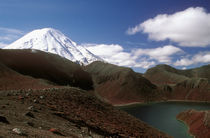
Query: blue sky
point(136, 33)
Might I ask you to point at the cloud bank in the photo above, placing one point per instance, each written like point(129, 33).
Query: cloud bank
point(189, 28)
point(143, 58)
point(202, 57)
point(161, 54)
point(7, 35)
point(2, 45)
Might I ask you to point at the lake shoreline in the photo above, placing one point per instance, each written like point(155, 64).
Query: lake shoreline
point(165, 112)
point(143, 103)
point(188, 127)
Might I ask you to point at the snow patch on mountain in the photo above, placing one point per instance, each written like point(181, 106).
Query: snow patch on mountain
point(53, 41)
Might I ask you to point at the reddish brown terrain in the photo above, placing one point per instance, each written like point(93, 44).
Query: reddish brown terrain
point(35, 97)
point(197, 89)
point(68, 112)
point(198, 122)
point(121, 85)
point(190, 85)
point(34, 104)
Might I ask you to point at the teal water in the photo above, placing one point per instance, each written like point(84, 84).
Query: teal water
point(163, 115)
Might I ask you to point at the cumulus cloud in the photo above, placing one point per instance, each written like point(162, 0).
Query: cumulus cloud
point(7, 35)
point(161, 54)
point(188, 28)
point(112, 53)
point(143, 58)
point(2, 45)
point(184, 68)
point(104, 50)
point(202, 57)
point(11, 30)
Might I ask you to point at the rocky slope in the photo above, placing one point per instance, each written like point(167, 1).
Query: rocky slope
point(198, 122)
point(65, 112)
point(47, 66)
point(120, 85)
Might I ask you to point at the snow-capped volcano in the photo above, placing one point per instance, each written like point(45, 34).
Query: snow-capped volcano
point(53, 41)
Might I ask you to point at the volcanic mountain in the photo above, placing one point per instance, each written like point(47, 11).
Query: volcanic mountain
point(53, 41)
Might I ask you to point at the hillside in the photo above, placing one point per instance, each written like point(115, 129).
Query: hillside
point(192, 89)
point(197, 121)
point(47, 66)
point(34, 107)
point(11, 80)
point(66, 112)
point(191, 84)
point(119, 85)
point(165, 74)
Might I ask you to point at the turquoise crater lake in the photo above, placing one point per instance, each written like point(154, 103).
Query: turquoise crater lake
point(163, 115)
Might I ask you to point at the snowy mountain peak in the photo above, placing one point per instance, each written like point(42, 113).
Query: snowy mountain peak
point(53, 41)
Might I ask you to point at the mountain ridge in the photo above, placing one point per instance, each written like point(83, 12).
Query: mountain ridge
point(165, 74)
point(121, 85)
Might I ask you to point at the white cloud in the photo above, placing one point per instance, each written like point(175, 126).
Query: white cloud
point(11, 30)
point(145, 64)
point(143, 58)
point(104, 50)
point(7, 35)
point(134, 30)
point(190, 28)
point(161, 54)
point(2, 45)
point(115, 54)
point(184, 68)
point(202, 57)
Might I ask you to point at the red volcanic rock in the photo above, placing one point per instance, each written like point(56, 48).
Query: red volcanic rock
point(198, 122)
point(55, 131)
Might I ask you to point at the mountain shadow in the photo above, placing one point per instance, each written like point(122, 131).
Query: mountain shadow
point(47, 66)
